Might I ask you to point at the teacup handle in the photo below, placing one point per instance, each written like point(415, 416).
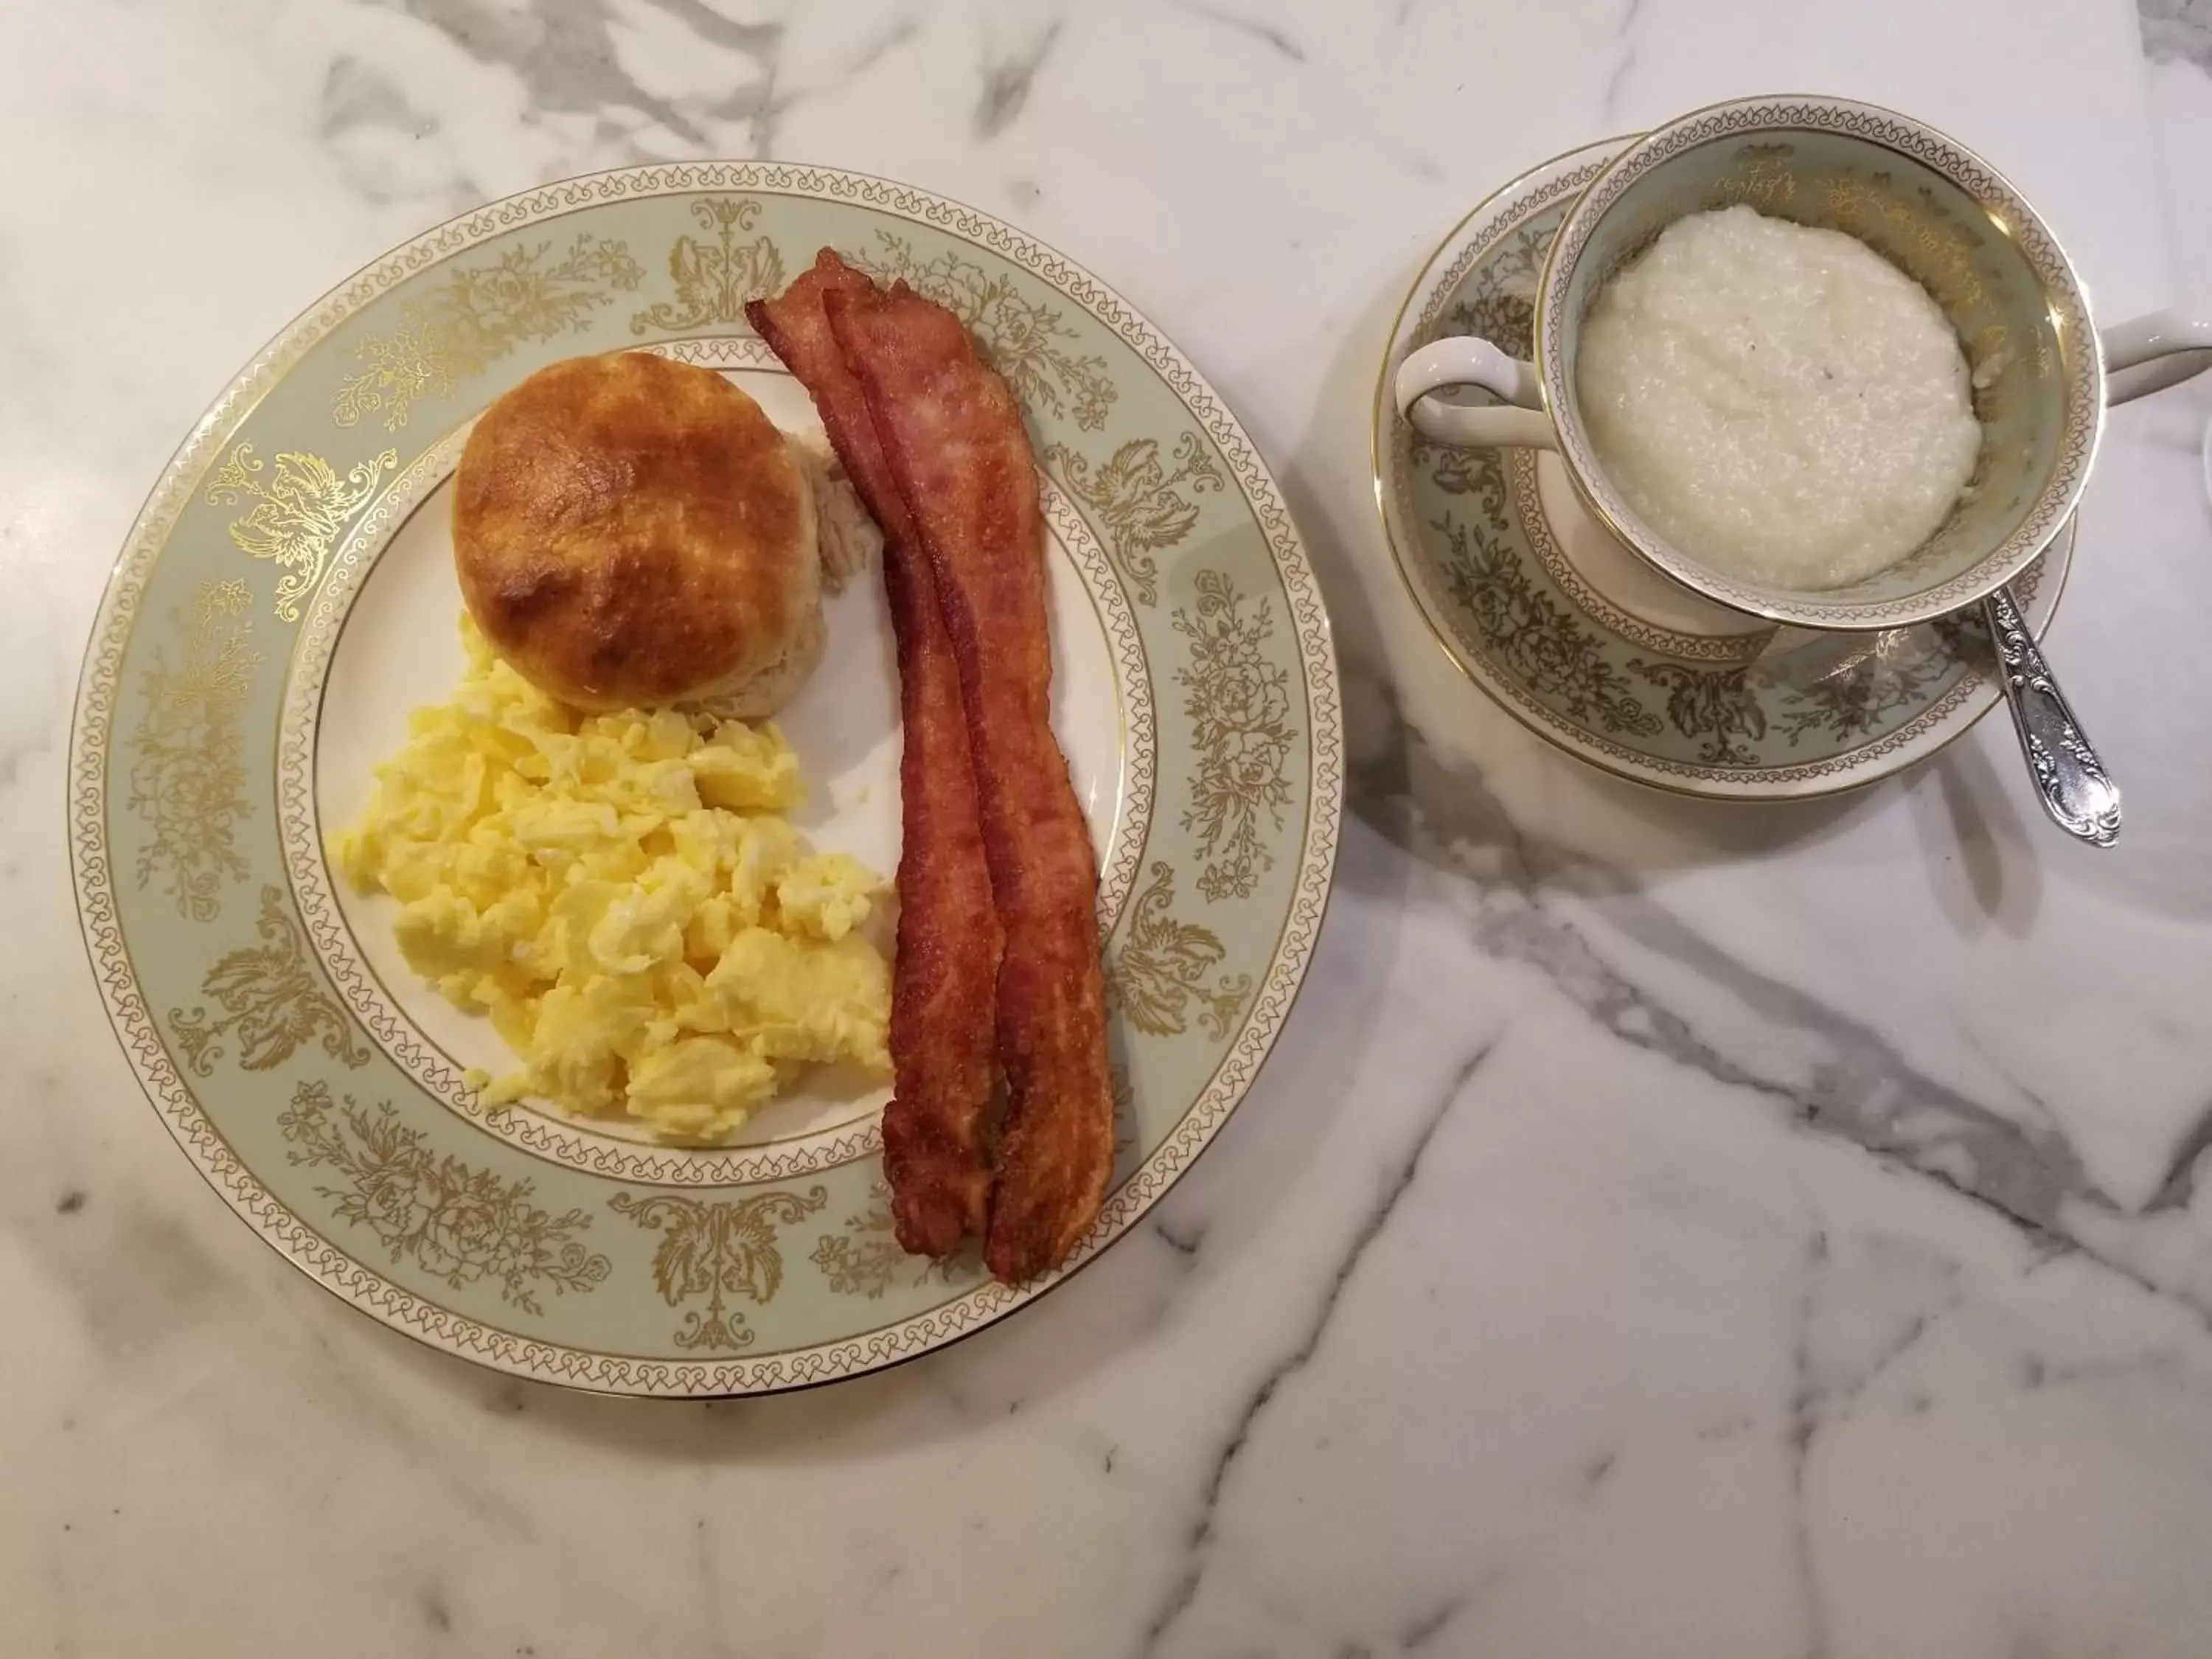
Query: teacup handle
point(2148, 354)
point(1465, 359)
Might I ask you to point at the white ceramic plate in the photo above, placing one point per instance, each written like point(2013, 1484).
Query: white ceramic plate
point(288, 596)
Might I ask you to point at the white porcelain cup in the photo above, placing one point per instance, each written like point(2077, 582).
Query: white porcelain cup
point(2043, 376)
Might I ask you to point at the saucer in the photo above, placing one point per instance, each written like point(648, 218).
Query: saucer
point(289, 596)
point(1542, 609)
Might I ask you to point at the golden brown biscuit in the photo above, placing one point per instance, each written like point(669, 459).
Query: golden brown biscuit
point(630, 531)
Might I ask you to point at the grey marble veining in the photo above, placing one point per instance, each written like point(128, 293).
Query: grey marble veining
point(573, 58)
point(2178, 29)
point(1844, 1079)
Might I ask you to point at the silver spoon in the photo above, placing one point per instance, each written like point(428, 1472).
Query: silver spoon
point(2069, 779)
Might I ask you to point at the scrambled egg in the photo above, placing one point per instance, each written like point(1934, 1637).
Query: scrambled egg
point(620, 895)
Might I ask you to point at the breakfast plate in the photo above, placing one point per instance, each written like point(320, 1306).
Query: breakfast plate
point(1535, 604)
point(288, 596)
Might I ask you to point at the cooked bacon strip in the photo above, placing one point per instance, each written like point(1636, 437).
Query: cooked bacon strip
point(954, 437)
point(945, 973)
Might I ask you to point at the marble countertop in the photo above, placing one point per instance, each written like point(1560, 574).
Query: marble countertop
point(1664, 1230)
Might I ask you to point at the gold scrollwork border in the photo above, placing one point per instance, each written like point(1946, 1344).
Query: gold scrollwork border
point(2081, 403)
point(94, 720)
point(1476, 234)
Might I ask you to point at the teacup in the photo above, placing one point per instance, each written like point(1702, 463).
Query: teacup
point(2042, 376)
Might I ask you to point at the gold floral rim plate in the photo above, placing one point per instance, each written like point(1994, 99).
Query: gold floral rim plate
point(287, 595)
point(1478, 536)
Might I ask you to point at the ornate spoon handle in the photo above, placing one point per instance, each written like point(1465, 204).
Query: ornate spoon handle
point(2068, 777)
